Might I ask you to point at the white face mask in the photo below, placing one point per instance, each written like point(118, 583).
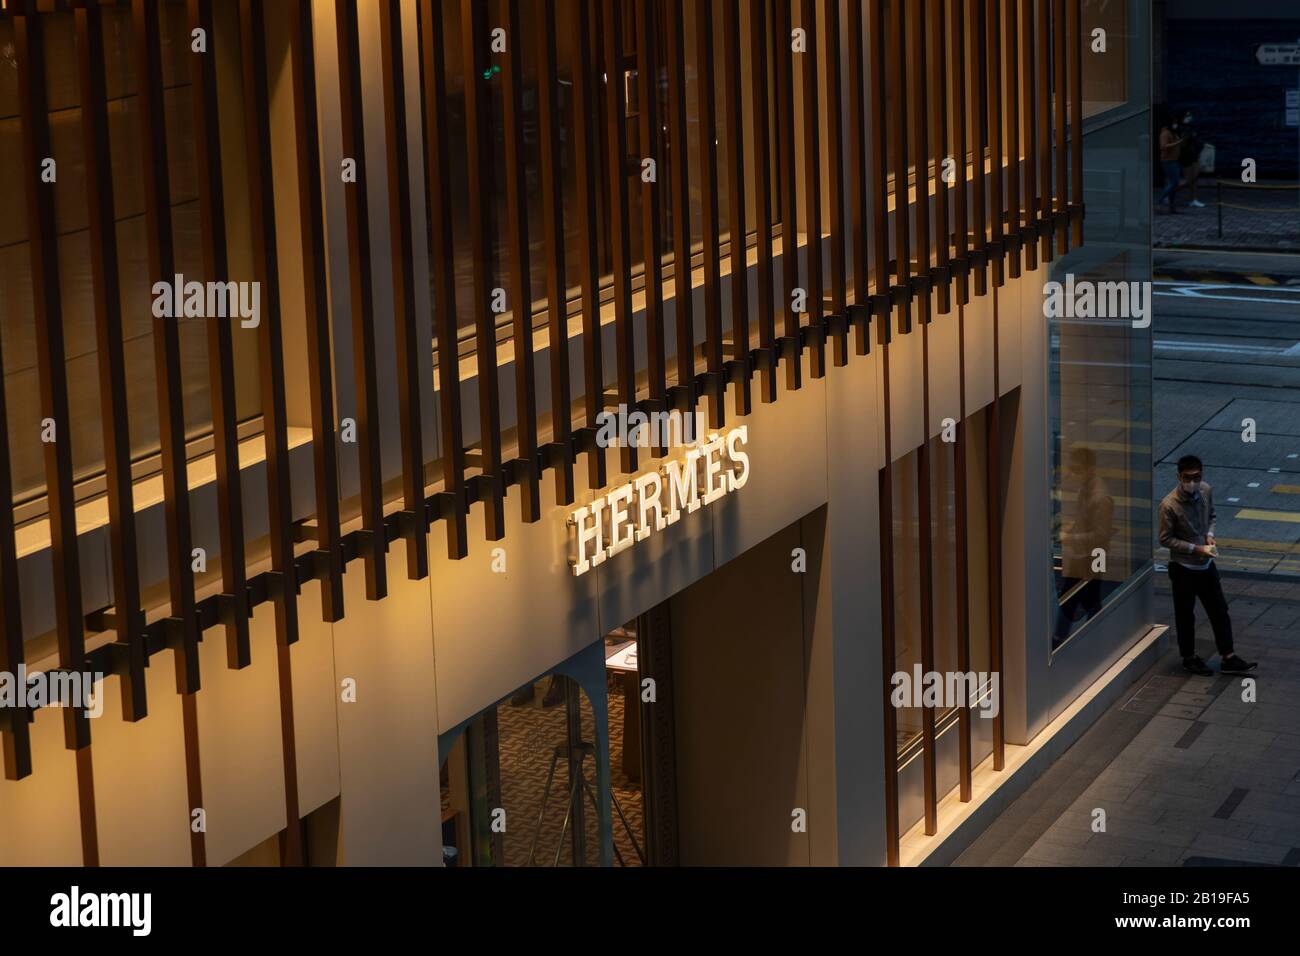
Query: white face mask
point(1191, 487)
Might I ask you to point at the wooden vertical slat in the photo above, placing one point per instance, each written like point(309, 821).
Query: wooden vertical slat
point(266, 268)
point(442, 257)
point(1060, 117)
point(619, 235)
point(878, 222)
point(221, 356)
point(880, 31)
point(925, 556)
point(918, 102)
point(552, 166)
point(679, 155)
point(736, 225)
point(374, 540)
point(791, 344)
point(166, 339)
point(921, 71)
point(706, 92)
point(585, 173)
point(859, 213)
point(15, 737)
point(997, 214)
point(896, 69)
point(651, 140)
point(977, 113)
point(1074, 41)
point(193, 771)
point(128, 624)
point(15, 734)
point(311, 219)
point(961, 192)
point(42, 247)
point(1029, 130)
point(994, 505)
point(760, 146)
point(962, 529)
point(835, 183)
point(812, 193)
point(1011, 100)
point(888, 653)
point(518, 257)
point(270, 345)
point(936, 81)
point(1043, 128)
point(86, 804)
point(411, 353)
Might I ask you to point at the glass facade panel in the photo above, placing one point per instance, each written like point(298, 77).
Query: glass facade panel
point(1104, 86)
point(1100, 370)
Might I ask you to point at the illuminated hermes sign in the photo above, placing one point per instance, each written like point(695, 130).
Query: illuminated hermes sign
point(651, 502)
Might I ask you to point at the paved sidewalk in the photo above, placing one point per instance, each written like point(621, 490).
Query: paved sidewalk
point(1265, 217)
point(1187, 773)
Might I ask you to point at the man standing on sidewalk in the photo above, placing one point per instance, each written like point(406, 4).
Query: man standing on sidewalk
point(1187, 530)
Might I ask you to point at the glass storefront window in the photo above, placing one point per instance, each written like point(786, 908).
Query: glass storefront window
point(1100, 387)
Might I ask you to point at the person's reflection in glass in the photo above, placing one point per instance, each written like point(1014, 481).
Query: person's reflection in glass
point(1079, 587)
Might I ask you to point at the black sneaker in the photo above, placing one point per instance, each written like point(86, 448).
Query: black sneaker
point(1235, 665)
point(1194, 665)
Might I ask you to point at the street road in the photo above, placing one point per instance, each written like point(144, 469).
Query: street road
point(1226, 349)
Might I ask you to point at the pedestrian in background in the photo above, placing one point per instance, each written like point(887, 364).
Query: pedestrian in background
point(1189, 157)
point(1170, 144)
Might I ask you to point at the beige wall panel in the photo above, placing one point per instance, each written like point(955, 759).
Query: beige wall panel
point(819, 693)
point(388, 737)
point(140, 796)
point(852, 566)
point(240, 751)
point(315, 692)
point(739, 691)
point(39, 818)
point(979, 352)
point(493, 632)
point(1017, 301)
point(945, 375)
point(905, 389)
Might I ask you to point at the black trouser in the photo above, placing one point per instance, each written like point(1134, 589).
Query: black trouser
point(1188, 586)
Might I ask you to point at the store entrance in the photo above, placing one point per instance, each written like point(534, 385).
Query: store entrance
point(527, 781)
point(706, 727)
